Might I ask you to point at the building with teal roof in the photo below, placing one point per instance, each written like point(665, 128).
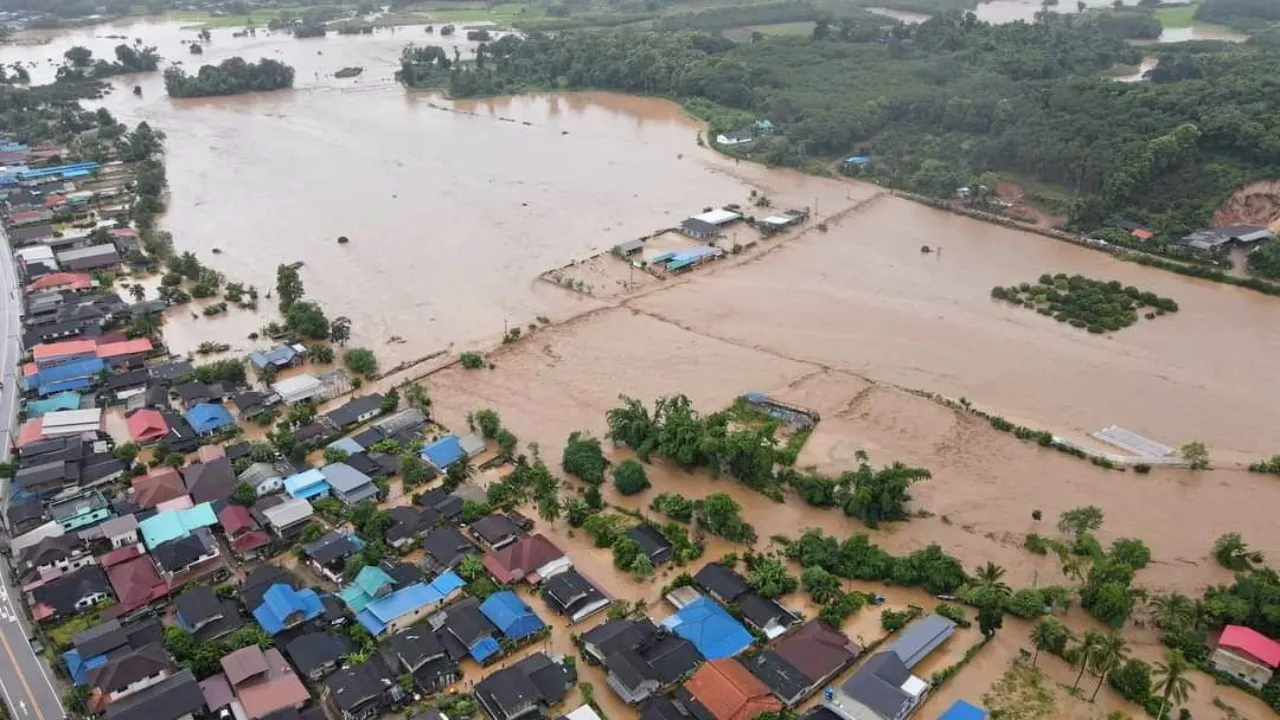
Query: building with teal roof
point(371, 584)
point(169, 525)
point(62, 401)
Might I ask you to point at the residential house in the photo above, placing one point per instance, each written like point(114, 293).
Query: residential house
point(81, 512)
point(264, 477)
point(466, 632)
point(361, 691)
point(573, 596)
point(316, 654)
point(1247, 655)
point(190, 394)
point(125, 674)
point(407, 525)
point(91, 648)
point(721, 582)
point(796, 665)
point(209, 481)
point(737, 137)
point(512, 616)
point(244, 535)
point(420, 653)
point(921, 638)
point(280, 357)
point(125, 354)
point(298, 388)
point(445, 547)
point(883, 688)
point(495, 531)
point(698, 230)
point(530, 559)
point(200, 611)
point(371, 583)
point(94, 257)
point(409, 420)
point(307, 485)
point(120, 531)
point(641, 659)
point(712, 630)
point(288, 517)
point(147, 426)
point(766, 614)
point(207, 418)
point(47, 478)
point(168, 525)
point(375, 465)
point(652, 542)
point(177, 697)
point(171, 371)
point(252, 403)
point(348, 484)
point(961, 710)
point(409, 604)
point(282, 607)
point(52, 557)
point(444, 452)
point(354, 412)
point(528, 687)
point(725, 690)
point(195, 553)
point(134, 578)
point(447, 504)
point(263, 683)
point(72, 593)
point(328, 554)
point(182, 437)
point(22, 517)
point(159, 486)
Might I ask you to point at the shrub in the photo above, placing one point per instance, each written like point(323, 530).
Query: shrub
point(584, 459)
point(894, 620)
point(361, 361)
point(630, 478)
point(471, 360)
point(952, 612)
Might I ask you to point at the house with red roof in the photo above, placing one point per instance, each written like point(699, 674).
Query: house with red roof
point(134, 577)
point(243, 533)
point(530, 559)
point(158, 486)
point(726, 690)
point(49, 355)
point(125, 353)
point(1247, 655)
point(147, 426)
point(61, 281)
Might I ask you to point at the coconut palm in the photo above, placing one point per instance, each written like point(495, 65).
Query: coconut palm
point(1088, 645)
point(1173, 610)
point(1111, 652)
point(1171, 680)
point(1048, 634)
point(138, 292)
point(991, 576)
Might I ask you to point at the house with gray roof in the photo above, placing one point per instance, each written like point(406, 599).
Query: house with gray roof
point(348, 484)
point(884, 688)
point(921, 638)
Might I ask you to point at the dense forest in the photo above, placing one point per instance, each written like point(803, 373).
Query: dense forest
point(230, 77)
point(939, 103)
point(1244, 13)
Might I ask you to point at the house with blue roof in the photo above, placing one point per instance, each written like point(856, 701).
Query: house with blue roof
point(169, 525)
point(78, 668)
point(372, 583)
point(68, 400)
point(76, 375)
point(962, 710)
point(283, 607)
point(511, 615)
point(347, 445)
point(281, 356)
point(308, 485)
point(405, 606)
point(208, 418)
point(465, 626)
point(444, 452)
point(712, 630)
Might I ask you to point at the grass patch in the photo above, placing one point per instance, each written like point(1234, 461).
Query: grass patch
point(1179, 16)
point(60, 635)
point(198, 19)
point(1021, 694)
point(802, 29)
point(500, 14)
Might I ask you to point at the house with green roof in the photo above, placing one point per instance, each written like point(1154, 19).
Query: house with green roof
point(371, 584)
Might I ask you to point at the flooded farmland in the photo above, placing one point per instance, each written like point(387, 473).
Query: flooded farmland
point(454, 209)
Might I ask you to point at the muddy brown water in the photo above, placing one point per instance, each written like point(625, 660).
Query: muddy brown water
point(445, 250)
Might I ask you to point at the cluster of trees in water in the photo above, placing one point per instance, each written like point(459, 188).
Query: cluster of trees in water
point(79, 63)
point(1098, 305)
point(1238, 13)
point(54, 13)
point(938, 103)
point(230, 77)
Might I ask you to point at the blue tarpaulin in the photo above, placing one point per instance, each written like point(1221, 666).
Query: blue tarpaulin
point(711, 629)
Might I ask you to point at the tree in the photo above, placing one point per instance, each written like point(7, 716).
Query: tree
point(340, 330)
point(1171, 680)
point(629, 477)
point(138, 292)
point(769, 577)
point(470, 568)
point(632, 425)
point(549, 507)
point(1084, 652)
point(127, 453)
point(413, 471)
point(320, 353)
point(990, 619)
point(642, 566)
point(1232, 553)
point(625, 552)
point(1110, 654)
point(79, 56)
point(1173, 610)
point(1196, 454)
point(583, 458)
point(1051, 635)
point(335, 455)
point(1131, 552)
point(361, 362)
point(390, 401)
point(821, 585)
point(306, 320)
point(289, 289)
point(244, 494)
point(416, 396)
point(1077, 521)
point(881, 495)
point(471, 360)
point(991, 576)
point(488, 421)
point(1132, 680)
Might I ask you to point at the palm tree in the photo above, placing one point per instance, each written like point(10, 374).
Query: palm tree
point(1046, 635)
point(1173, 610)
point(1110, 653)
point(991, 576)
point(138, 292)
point(1072, 566)
point(1088, 645)
point(470, 568)
point(1171, 680)
point(358, 656)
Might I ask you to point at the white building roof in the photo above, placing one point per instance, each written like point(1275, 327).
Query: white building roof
point(288, 512)
point(50, 529)
point(34, 253)
point(717, 217)
point(583, 713)
point(84, 253)
point(472, 444)
point(297, 388)
point(71, 422)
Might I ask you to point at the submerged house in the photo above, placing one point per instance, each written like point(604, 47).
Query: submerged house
point(528, 687)
point(711, 629)
point(796, 665)
point(641, 659)
point(574, 596)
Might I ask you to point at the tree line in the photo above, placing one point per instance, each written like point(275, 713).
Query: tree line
point(230, 77)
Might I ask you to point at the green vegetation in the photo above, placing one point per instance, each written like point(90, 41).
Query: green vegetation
point(858, 558)
point(1264, 261)
point(361, 361)
point(471, 360)
point(1232, 553)
point(583, 459)
point(200, 19)
point(230, 77)
point(1100, 306)
point(629, 477)
point(1176, 16)
point(1271, 465)
point(718, 514)
point(1248, 15)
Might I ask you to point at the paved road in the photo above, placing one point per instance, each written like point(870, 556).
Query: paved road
point(24, 678)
